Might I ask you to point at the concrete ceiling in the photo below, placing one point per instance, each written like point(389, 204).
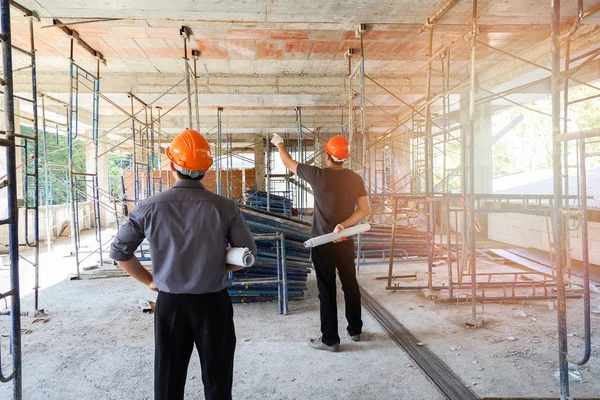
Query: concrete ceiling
point(303, 11)
point(261, 59)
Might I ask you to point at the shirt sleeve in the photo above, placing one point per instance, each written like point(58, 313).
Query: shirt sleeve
point(129, 237)
point(239, 234)
point(307, 172)
point(362, 192)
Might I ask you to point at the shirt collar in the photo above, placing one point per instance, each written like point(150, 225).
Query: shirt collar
point(188, 183)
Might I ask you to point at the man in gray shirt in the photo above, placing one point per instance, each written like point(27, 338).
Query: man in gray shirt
point(188, 228)
point(341, 201)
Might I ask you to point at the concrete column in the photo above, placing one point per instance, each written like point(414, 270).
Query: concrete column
point(259, 161)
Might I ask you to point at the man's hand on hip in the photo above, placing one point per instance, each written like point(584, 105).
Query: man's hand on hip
point(152, 286)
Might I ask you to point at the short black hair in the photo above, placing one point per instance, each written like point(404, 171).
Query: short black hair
point(340, 163)
point(189, 178)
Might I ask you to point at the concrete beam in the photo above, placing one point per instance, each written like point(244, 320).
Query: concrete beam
point(156, 84)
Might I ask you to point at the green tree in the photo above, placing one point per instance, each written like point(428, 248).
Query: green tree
point(58, 158)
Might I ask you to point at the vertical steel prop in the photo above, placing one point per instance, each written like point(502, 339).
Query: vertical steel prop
point(557, 204)
point(13, 216)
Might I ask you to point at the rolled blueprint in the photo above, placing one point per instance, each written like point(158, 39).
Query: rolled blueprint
point(330, 237)
point(240, 256)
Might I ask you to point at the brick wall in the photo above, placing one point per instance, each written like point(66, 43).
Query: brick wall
point(237, 177)
point(236, 180)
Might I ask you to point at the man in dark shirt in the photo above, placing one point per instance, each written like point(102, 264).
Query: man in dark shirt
point(341, 201)
point(188, 228)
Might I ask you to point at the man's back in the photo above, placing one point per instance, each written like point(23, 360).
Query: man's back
point(188, 228)
point(335, 192)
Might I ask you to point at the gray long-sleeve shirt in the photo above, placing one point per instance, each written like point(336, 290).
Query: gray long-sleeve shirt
point(188, 228)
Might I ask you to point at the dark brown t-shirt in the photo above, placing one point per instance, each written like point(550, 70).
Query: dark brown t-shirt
point(335, 192)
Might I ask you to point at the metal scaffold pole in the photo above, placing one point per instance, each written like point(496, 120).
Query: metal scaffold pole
point(268, 171)
point(471, 172)
point(35, 199)
point(300, 149)
point(47, 182)
point(12, 220)
point(184, 32)
point(95, 183)
point(195, 56)
point(72, 131)
point(429, 169)
point(219, 144)
point(229, 166)
point(559, 258)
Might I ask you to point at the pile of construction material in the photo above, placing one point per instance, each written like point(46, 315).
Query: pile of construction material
point(377, 242)
point(276, 204)
point(297, 258)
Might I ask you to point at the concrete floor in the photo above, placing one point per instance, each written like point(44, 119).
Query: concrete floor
point(511, 355)
point(97, 344)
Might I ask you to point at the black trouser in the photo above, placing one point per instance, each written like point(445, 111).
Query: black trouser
point(326, 258)
point(182, 320)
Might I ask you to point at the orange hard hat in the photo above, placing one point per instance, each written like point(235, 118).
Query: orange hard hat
point(190, 150)
point(337, 147)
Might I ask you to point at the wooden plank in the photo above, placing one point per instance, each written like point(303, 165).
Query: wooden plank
point(543, 257)
point(537, 267)
point(522, 261)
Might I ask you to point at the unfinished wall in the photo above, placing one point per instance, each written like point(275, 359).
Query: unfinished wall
point(531, 231)
point(241, 180)
point(239, 177)
point(59, 216)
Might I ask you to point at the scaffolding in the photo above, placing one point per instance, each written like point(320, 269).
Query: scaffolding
point(441, 180)
point(8, 141)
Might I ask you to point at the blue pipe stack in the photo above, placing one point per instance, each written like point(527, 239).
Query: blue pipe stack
point(297, 258)
point(277, 204)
